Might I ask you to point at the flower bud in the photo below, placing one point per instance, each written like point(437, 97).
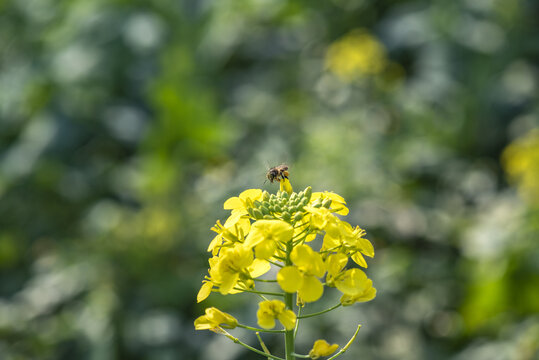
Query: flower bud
point(298, 216)
point(308, 193)
point(265, 210)
point(257, 214)
point(326, 203)
point(250, 212)
point(286, 216)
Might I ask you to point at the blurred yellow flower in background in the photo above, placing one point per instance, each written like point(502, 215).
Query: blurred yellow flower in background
point(521, 162)
point(356, 55)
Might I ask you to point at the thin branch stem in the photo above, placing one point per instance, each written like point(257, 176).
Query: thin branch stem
point(320, 312)
point(263, 280)
point(264, 347)
point(289, 337)
point(297, 321)
point(301, 356)
point(260, 330)
point(345, 347)
point(238, 341)
point(260, 292)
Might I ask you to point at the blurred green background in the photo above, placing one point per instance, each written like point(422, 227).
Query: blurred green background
point(126, 124)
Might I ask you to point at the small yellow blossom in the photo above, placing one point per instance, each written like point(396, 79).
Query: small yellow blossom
point(215, 319)
point(232, 232)
point(284, 185)
point(270, 310)
point(321, 217)
point(338, 204)
point(322, 348)
point(355, 286)
point(235, 265)
point(266, 235)
point(356, 55)
point(350, 241)
point(239, 204)
point(303, 275)
point(334, 264)
point(521, 162)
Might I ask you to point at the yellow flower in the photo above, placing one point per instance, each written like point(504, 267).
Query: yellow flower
point(356, 55)
point(349, 240)
point(215, 319)
point(338, 204)
point(334, 264)
point(235, 266)
point(233, 231)
point(265, 236)
point(321, 218)
point(322, 348)
point(240, 204)
point(521, 163)
point(270, 310)
point(284, 185)
point(355, 286)
point(302, 276)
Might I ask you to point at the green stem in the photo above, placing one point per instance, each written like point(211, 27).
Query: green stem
point(320, 312)
point(297, 322)
point(289, 301)
point(345, 347)
point(262, 344)
point(260, 292)
point(238, 341)
point(289, 334)
point(263, 280)
point(301, 356)
point(261, 330)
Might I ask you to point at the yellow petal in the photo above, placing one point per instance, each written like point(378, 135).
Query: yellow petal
point(285, 185)
point(204, 291)
point(228, 281)
point(253, 194)
point(367, 295)
point(233, 203)
point(288, 319)
point(354, 282)
point(335, 263)
point(308, 260)
point(290, 279)
point(366, 247)
point(258, 268)
point(359, 259)
point(202, 323)
point(265, 249)
point(215, 318)
point(322, 348)
point(311, 289)
point(330, 242)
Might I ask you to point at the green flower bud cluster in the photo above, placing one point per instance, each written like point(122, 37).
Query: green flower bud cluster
point(281, 206)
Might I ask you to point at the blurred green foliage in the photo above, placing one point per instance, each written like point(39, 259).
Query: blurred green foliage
point(124, 125)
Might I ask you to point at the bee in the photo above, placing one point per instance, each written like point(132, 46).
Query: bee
point(277, 173)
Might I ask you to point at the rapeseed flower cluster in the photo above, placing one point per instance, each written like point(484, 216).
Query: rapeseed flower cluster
point(279, 230)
